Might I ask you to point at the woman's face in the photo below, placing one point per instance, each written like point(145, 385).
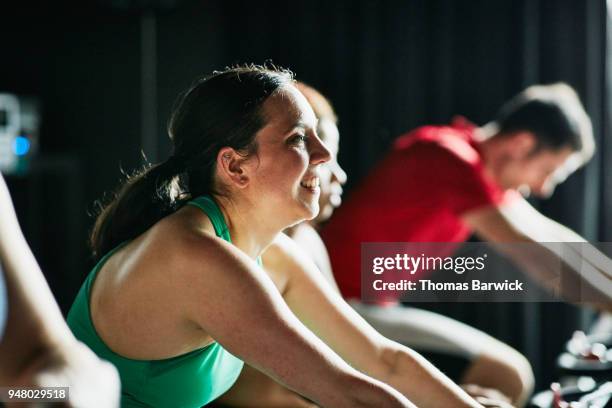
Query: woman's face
point(332, 176)
point(285, 170)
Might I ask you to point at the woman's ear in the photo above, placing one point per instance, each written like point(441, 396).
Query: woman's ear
point(231, 167)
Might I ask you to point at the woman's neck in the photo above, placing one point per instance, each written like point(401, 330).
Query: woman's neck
point(294, 229)
point(249, 231)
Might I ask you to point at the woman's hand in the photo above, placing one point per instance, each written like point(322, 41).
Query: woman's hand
point(488, 397)
point(492, 403)
point(91, 381)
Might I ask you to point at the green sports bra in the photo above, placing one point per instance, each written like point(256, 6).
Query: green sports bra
point(189, 380)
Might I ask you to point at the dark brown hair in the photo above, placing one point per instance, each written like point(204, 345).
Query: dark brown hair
point(219, 110)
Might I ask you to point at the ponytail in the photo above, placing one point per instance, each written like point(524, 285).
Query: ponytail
point(143, 199)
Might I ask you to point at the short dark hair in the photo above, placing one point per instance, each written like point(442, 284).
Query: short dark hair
point(554, 114)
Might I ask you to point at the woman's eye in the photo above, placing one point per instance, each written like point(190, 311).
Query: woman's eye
point(299, 139)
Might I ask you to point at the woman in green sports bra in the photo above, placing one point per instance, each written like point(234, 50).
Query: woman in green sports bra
point(175, 303)
point(195, 377)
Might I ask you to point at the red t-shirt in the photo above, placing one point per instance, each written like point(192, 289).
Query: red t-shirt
point(418, 193)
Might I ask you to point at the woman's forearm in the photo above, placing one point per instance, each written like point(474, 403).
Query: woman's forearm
point(421, 382)
point(324, 377)
point(367, 392)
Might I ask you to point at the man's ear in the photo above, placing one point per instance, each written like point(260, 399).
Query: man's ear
point(231, 167)
point(521, 143)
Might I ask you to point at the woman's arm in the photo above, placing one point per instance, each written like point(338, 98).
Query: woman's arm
point(235, 302)
point(337, 324)
point(38, 349)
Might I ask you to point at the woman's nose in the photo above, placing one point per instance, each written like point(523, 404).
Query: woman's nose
point(338, 172)
point(319, 153)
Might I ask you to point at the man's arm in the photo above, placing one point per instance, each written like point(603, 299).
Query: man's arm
point(550, 249)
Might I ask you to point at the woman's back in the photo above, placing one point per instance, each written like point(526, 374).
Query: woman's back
point(143, 277)
point(164, 350)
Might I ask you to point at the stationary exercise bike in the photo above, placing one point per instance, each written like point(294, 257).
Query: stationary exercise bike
point(585, 372)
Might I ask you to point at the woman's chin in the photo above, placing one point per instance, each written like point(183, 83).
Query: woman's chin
point(311, 211)
point(325, 214)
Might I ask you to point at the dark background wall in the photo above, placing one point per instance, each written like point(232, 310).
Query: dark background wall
point(107, 74)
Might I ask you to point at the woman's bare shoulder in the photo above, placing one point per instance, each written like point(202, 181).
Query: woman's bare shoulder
point(284, 253)
point(176, 250)
point(187, 242)
point(300, 247)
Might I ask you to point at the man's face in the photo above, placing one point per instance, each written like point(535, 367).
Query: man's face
point(537, 172)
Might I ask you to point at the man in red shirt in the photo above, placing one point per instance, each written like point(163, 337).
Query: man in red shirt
point(441, 183)
point(418, 193)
